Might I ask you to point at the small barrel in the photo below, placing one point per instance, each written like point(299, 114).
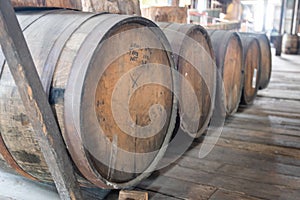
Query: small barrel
point(194, 58)
point(252, 68)
point(290, 44)
point(109, 80)
point(229, 59)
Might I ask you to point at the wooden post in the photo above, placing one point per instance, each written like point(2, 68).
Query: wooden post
point(295, 21)
point(282, 17)
point(265, 14)
point(36, 103)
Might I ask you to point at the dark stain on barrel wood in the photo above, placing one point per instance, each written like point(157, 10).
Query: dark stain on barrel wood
point(56, 96)
point(22, 118)
point(24, 156)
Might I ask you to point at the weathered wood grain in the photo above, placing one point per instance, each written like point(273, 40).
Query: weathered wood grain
point(134, 195)
point(177, 188)
point(73, 4)
point(23, 69)
point(226, 181)
point(166, 14)
point(231, 195)
point(128, 7)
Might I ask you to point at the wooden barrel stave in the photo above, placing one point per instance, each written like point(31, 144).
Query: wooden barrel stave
point(194, 58)
point(64, 67)
point(228, 51)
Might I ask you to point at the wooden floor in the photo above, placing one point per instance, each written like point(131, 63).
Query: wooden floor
point(256, 157)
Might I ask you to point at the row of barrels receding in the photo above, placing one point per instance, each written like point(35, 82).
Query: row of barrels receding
point(118, 84)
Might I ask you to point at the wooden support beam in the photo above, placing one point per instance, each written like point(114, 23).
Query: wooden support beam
point(295, 20)
point(265, 15)
point(36, 103)
point(282, 17)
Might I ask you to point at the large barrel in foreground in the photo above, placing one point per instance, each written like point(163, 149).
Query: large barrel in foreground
point(194, 58)
point(109, 80)
point(252, 65)
point(229, 59)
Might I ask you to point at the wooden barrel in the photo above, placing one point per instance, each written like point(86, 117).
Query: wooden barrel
point(109, 80)
point(252, 68)
point(229, 59)
point(194, 58)
point(266, 59)
point(290, 44)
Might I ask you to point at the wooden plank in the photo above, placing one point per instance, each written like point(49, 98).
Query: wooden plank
point(166, 14)
point(266, 113)
point(74, 4)
point(34, 98)
point(280, 94)
point(270, 177)
point(133, 195)
point(259, 148)
point(223, 155)
point(152, 195)
point(177, 188)
point(261, 137)
point(226, 156)
point(117, 6)
point(249, 187)
point(276, 105)
point(270, 119)
point(272, 125)
point(230, 195)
